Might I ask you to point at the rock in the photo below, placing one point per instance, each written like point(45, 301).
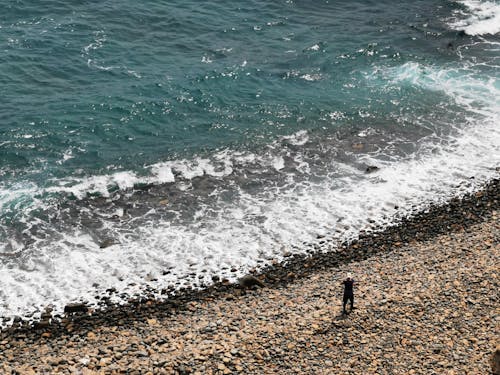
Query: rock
point(182, 370)
point(47, 313)
point(75, 308)
point(42, 324)
point(426, 295)
point(357, 146)
point(249, 281)
point(107, 243)
point(371, 168)
point(144, 186)
point(141, 353)
point(495, 361)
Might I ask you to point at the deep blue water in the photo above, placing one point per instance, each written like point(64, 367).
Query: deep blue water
point(202, 135)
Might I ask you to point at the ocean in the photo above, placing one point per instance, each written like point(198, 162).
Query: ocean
point(160, 144)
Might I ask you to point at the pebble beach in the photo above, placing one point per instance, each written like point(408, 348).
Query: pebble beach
point(426, 302)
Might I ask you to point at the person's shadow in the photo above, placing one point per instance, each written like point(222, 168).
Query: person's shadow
point(342, 315)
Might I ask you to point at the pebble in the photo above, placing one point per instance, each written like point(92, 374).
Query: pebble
point(423, 306)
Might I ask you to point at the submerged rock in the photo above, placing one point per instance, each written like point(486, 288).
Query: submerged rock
point(107, 243)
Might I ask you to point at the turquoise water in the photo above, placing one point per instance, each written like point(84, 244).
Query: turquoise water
point(202, 136)
point(123, 85)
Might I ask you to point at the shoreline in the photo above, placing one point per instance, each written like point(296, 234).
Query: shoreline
point(427, 306)
point(457, 214)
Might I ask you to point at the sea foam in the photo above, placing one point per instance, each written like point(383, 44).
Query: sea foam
point(244, 208)
point(482, 18)
point(253, 229)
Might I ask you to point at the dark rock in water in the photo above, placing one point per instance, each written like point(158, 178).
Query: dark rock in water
point(143, 186)
point(42, 324)
point(371, 168)
point(75, 308)
point(46, 315)
point(107, 243)
point(357, 146)
point(249, 281)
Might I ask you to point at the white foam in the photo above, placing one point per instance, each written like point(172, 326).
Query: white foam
point(125, 180)
point(134, 73)
point(67, 155)
point(98, 42)
point(311, 77)
point(483, 18)
point(16, 194)
point(66, 270)
point(464, 85)
point(219, 165)
point(206, 59)
point(263, 225)
point(278, 163)
point(366, 132)
point(163, 173)
point(298, 139)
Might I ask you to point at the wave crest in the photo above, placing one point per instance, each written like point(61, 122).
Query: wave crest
point(482, 18)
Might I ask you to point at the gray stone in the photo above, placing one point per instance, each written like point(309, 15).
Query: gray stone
point(495, 361)
point(249, 281)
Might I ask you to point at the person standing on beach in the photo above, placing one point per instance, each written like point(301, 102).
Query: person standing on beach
point(348, 293)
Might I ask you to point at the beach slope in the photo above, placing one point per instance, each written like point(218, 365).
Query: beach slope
point(428, 307)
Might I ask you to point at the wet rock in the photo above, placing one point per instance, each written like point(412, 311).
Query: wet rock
point(143, 186)
point(425, 271)
point(107, 243)
point(249, 281)
point(371, 168)
point(46, 314)
point(357, 146)
point(42, 324)
point(77, 307)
